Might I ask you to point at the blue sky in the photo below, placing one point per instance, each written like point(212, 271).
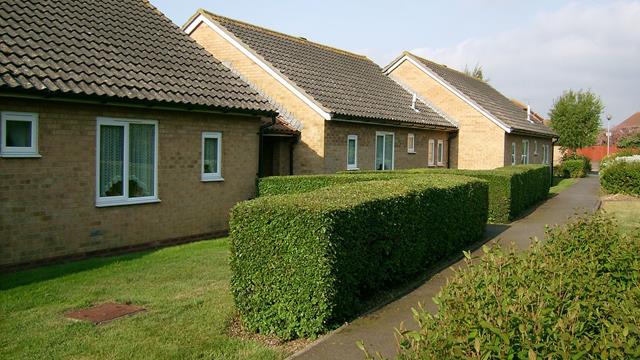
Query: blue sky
point(531, 50)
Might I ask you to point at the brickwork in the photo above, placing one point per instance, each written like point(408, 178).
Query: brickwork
point(535, 157)
point(47, 205)
point(308, 155)
point(480, 142)
point(336, 145)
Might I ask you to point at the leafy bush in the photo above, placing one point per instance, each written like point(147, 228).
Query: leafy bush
point(576, 296)
point(529, 185)
point(296, 184)
point(621, 177)
point(620, 153)
point(575, 166)
point(630, 141)
point(303, 263)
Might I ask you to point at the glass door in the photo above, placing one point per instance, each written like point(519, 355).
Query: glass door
point(384, 150)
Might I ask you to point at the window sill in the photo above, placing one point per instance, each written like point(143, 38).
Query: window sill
point(212, 179)
point(353, 169)
point(107, 203)
point(9, 155)
point(411, 152)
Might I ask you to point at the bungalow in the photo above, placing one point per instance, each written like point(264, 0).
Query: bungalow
point(118, 131)
point(349, 115)
point(493, 131)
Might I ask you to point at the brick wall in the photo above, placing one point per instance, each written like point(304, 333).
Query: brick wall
point(336, 145)
point(480, 142)
point(308, 154)
point(47, 205)
point(534, 157)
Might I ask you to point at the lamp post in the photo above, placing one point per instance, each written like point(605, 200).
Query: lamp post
point(608, 134)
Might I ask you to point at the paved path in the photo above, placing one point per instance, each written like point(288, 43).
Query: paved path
point(377, 329)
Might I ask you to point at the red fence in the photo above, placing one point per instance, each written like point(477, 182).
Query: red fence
point(596, 153)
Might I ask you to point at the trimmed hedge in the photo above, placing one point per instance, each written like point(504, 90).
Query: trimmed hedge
point(575, 296)
point(575, 166)
point(621, 177)
point(512, 189)
point(303, 263)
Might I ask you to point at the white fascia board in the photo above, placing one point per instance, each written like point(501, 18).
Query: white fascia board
point(447, 86)
point(260, 62)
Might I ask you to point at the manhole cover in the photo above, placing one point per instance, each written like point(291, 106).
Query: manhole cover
point(104, 312)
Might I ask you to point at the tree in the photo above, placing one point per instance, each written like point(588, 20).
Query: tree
point(630, 141)
point(575, 116)
point(476, 72)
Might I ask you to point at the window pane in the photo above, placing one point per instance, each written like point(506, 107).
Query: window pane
point(440, 150)
point(351, 152)
point(141, 160)
point(210, 156)
point(431, 151)
point(388, 152)
point(111, 160)
point(18, 133)
point(379, 151)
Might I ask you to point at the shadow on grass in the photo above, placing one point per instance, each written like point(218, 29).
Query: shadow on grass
point(48, 272)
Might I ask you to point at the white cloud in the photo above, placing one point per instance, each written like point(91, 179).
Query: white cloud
point(580, 46)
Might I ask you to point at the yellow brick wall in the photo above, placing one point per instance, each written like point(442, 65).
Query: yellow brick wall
point(309, 153)
point(336, 145)
point(47, 205)
point(480, 142)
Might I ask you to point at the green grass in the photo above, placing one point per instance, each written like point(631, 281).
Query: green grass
point(185, 290)
point(627, 212)
point(560, 184)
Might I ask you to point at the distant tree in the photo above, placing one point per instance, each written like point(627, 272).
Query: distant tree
point(575, 116)
point(476, 72)
point(630, 141)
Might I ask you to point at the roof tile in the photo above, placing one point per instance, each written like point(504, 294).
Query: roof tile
point(122, 49)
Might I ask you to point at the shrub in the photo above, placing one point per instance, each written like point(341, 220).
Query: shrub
point(630, 141)
point(620, 153)
point(304, 262)
point(529, 185)
point(575, 166)
point(296, 184)
point(621, 177)
point(576, 296)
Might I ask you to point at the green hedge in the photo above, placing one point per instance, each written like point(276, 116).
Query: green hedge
point(512, 189)
point(621, 177)
point(303, 263)
point(574, 297)
point(575, 166)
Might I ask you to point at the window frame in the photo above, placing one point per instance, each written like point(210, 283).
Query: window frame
point(514, 153)
point(124, 199)
point(353, 166)
point(545, 153)
point(431, 153)
point(217, 176)
point(535, 147)
point(411, 149)
point(19, 151)
point(440, 153)
point(525, 156)
point(393, 150)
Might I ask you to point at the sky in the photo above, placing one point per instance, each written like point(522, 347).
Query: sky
point(529, 50)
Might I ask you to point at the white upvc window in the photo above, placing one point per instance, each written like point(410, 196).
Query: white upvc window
point(126, 161)
point(535, 148)
point(19, 134)
point(352, 152)
point(432, 152)
point(411, 143)
point(545, 153)
point(385, 143)
point(525, 151)
point(440, 152)
point(211, 156)
point(513, 153)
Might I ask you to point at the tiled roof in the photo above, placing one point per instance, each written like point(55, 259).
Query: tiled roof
point(112, 50)
point(632, 122)
point(280, 127)
point(349, 86)
point(488, 98)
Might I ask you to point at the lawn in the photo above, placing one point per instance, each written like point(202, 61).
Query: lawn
point(561, 184)
point(627, 212)
point(185, 290)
